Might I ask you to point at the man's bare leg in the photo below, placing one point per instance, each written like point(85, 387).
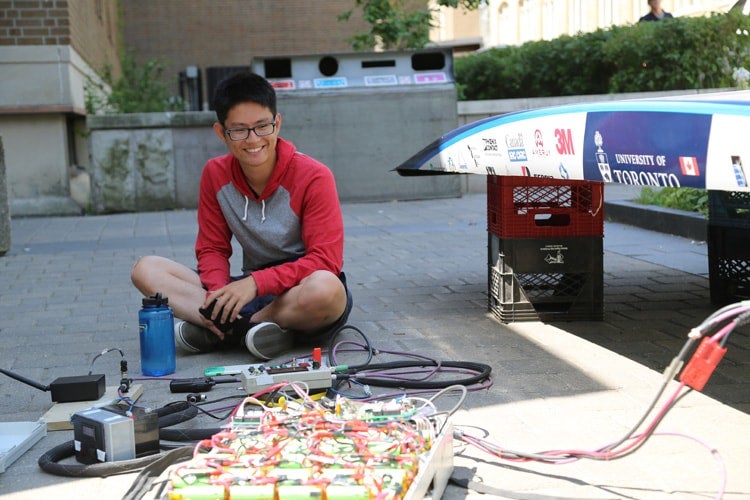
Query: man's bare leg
point(180, 284)
point(319, 300)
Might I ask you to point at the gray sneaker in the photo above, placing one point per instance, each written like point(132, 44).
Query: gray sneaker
point(193, 338)
point(267, 340)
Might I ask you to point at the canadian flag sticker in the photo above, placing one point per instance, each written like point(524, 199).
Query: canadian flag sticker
point(689, 165)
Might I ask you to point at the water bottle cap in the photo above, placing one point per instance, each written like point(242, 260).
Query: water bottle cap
point(155, 300)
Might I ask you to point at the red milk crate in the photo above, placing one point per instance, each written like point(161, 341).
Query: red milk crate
point(536, 207)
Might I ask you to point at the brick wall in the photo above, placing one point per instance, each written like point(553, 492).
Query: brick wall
point(88, 26)
point(34, 22)
point(230, 32)
point(94, 32)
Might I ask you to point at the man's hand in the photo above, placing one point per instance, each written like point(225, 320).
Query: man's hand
point(210, 325)
point(230, 299)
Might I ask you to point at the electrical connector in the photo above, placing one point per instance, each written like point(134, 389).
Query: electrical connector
point(673, 369)
point(124, 385)
point(195, 397)
point(702, 365)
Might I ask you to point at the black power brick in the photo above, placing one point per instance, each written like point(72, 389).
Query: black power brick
point(77, 388)
point(67, 389)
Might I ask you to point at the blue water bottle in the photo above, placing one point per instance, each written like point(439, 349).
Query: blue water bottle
point(156, 321)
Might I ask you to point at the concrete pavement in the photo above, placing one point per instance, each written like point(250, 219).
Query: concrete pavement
point(418, 272)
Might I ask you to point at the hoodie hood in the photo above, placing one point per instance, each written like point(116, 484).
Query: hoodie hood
point(285, 151)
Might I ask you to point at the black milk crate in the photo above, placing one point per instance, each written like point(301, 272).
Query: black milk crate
point(728, 264)
point(546, 279)
point(729, 208)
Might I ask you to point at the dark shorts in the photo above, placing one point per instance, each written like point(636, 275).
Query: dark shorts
point(306, 337)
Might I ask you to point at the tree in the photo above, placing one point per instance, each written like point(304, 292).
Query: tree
point(398, 24)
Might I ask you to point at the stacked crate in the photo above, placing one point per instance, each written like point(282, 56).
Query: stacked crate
point(729, 246)
point(545, 250)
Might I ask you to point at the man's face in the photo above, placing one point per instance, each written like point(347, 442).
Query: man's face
point(252, 151)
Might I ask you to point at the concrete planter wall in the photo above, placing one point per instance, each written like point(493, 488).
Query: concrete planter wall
point(153, 161)
point(148, 161)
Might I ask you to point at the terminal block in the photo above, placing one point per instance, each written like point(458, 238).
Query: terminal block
point(258, 376)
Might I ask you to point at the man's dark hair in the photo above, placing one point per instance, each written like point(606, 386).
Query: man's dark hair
point(243, 87)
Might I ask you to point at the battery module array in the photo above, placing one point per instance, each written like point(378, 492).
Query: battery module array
point(326, 449)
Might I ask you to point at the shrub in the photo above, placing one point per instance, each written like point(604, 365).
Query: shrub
point(674, 54)
point(140, 89)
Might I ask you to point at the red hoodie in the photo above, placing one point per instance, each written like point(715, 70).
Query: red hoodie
point(293, 228)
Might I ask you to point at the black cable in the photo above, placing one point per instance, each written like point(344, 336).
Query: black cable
point(183, 435)
point(211, 415)
point(105, 351)
point(332, 343)
point(175, 413)
point(49, 462)
point(169, 415)
point(482, 372)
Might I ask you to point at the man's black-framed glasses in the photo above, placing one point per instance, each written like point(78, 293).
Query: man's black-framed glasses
point(240, 134)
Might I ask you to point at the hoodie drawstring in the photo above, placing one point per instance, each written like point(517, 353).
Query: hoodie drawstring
point(262, 210)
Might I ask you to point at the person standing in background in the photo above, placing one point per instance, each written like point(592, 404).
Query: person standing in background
point(656, 13)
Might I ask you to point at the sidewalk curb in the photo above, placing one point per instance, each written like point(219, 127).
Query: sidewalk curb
point(664, 220)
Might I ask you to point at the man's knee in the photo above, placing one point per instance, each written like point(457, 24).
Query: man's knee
point(141, 269)
point(322, 290)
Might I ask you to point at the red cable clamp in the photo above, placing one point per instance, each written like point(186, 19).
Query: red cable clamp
point(702, 364)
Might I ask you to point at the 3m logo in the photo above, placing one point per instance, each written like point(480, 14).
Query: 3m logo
point(689, 165)
point(564, 141)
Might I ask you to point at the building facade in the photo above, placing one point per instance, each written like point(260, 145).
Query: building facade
point(512, 22)
point(49, 48)
point(208, 36)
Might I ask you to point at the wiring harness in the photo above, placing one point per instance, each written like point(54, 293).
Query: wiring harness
point(286, 424)
point(305, 448)
point(417, 375)
point(711, 336)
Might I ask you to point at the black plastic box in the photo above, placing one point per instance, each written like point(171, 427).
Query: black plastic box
point(546, 279)
point(729, 208)
point(77, 388)
point(728, 263)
